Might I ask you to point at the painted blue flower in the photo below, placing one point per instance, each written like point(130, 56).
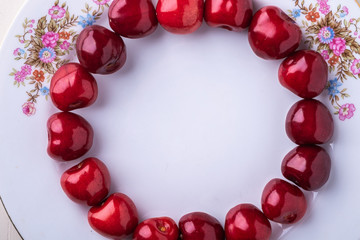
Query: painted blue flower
point(44, 91)
point(296, 13)
point(47, 55)
point(326, 35)
point(333, 87)
point(86, 21)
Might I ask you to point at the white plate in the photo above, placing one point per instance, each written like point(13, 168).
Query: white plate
point(191, 123)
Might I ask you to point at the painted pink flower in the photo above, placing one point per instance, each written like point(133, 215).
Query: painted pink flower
point(50, 39)
point(29, 109)
point(65, 45)
point(338, 46)
point(16, 51)
point(26, 69)
point(20, 76)
point(101, 2)
point(56, 12)
point(325, 54)
point(344, 12)
point(346, 111)
point(355, 67)
point(324, 8)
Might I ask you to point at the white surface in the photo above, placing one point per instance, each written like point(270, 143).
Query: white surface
point(8, 12)
point(192, 123)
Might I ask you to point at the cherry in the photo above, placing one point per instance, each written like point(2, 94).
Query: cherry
point(132, 18)
point(305, 73)
point(273, 34)
point(180, 16)
point(70, 136)
point(162, 228)
point(283, 202)
point(116, 218)
point(233, 15)
point(308, 166)
point(100, 50)
point(245, 221)
point(73, 87)
point(200, 226)
point(309, 122)
point(88, 181)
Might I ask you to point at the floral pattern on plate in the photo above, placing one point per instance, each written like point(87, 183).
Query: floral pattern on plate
point(335, 35)
point(46, 45)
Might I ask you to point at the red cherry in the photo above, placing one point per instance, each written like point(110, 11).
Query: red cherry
point(200, 226)
point(88, 181)
point(245, 221)
point(162, 228)
point(116, 218)
point(132, 18)
point(283, 202)
point(305, 73)
point(309, 122)
point(70, 136)
point(233, 15)
point(73, 87)
point(180, 16)
point(100, 50)
point(273, 34)
point(308, 166)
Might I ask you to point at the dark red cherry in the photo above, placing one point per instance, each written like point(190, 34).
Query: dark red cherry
point(100, 50)
point(308, 166)
point(200, 226)
point(180, 16)
point(162, 228)
point(116, 218)
point(73, 87)
point(309, 122)
point(132, 18)
point(305, 73)
point(70, 136)
point(87, 182)
point(233, 15)
point(283, 202)
point(273, 34)
point(245, 221)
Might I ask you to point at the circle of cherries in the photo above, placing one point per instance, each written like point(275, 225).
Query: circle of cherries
point(272, 35)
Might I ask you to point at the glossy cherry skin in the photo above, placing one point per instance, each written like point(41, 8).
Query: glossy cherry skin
point(100, 50)
point(304, 73)
point(73, 87)
point(309, 122)
point(308, 166)
point(162, 228)
point(180, 16)
point(283, 202)
point(116, 218)
point(233, 15)
point(200, 226)
point(70, 136)
point(273, 34)
point(245, 221)
point(132, 18)
point(87, 182)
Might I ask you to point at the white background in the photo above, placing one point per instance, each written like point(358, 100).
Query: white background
point(8, 12)
point(142, 112)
